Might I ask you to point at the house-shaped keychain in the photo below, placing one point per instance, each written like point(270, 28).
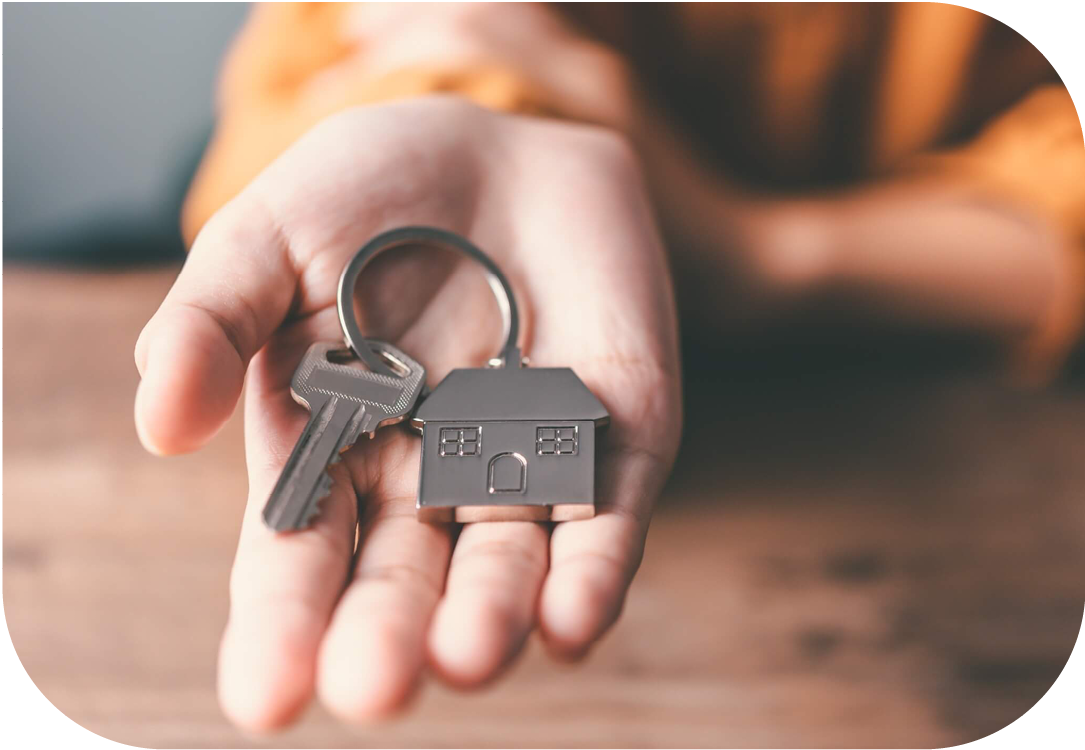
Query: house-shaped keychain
point(501, 443)
point(508, 443)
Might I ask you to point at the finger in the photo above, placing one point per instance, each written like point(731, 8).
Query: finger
point(233, 292)
point(592, 562)
point(372, 657)
point(283, 586)
point(489, 606)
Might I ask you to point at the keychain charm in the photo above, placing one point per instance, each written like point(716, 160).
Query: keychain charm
point(499, 443)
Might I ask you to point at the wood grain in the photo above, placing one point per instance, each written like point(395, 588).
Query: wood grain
point(842, 558)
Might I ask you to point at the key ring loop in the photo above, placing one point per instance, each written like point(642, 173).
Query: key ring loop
point(433, 237)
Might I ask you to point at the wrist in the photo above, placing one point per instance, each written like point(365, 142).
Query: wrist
point(526, 47)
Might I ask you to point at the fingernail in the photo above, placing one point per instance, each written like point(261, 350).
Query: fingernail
point(141, 429)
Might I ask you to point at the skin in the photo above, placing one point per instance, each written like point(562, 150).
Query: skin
point(564, 210)
point(941, 248)
point(309, 615)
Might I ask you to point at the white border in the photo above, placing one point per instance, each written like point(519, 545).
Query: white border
point(29, 720)
point(1055, 28)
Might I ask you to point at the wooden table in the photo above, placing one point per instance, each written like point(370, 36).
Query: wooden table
point(846, 556)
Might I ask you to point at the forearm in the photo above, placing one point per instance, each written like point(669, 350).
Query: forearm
point(293, 66)
point(937, 253)
point(986, 238)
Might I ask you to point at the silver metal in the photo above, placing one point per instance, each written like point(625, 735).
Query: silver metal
point(504, 442)
point(508, 443)
point(433, 237)
point(344, 402)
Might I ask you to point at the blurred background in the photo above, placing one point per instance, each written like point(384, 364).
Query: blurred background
point(866, 542)
point(107, 108)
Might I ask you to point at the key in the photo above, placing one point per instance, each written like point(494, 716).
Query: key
point(503, 443)
point(508, 442)
point(344, 402)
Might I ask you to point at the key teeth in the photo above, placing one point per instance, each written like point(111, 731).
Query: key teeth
point(323, 489)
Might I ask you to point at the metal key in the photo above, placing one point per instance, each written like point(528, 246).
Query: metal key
point(344, 402)
point(504, 443)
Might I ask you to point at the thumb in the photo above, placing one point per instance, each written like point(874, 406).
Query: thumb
point(233, 292)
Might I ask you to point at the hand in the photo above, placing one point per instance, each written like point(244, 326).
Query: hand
point(562, 210)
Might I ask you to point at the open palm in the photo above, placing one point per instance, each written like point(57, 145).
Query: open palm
point(357, 606)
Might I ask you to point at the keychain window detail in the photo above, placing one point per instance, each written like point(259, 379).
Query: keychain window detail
point(461, 441)
point(518, 404)
point(556, 441)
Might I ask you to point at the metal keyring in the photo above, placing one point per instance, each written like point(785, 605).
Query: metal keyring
point(433, 237)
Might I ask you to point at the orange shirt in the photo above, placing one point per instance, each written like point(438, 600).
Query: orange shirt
point(782, 96)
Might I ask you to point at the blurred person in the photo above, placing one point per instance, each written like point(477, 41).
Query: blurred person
point(921, 162)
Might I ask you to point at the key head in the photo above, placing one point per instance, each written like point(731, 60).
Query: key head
point(329, 369)
point(345, 400)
